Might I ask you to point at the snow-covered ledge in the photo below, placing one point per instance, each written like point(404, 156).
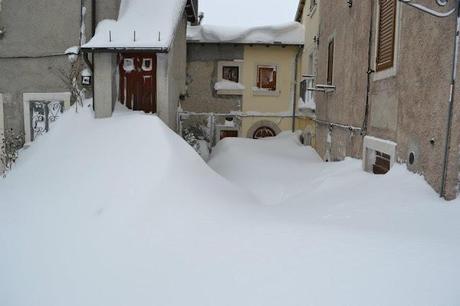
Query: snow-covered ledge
point(48, 96)
point(225, 87)
point(371, 146)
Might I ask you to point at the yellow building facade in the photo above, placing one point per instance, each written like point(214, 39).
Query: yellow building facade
point(272, 108)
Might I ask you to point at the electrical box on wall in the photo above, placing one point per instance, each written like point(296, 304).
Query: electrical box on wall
point(86, 80)
point(86, 77)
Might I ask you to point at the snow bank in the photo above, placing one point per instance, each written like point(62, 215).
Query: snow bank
point(112, 212)
point(147, 24)
point(121, 211)
point(290, 34)
point(364, 239)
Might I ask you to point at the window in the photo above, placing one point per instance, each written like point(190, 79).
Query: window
point(330, 62)
point(147, 64)
point(310, 64)
point(228, 134)
point(264, 132)
point(266, 77)
point(231, 73)
point(313, 4)
point(128, 64)
point(229, 78)
point(386, 34)
point(41, 110)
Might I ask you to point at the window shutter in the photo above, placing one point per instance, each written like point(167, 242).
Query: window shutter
point(330, 62)
point(386, 34)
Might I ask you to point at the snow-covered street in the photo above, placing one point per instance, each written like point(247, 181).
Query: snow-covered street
point(123, 212)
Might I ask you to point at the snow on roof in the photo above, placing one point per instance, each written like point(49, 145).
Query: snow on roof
point(292, 33)
point(141, 24)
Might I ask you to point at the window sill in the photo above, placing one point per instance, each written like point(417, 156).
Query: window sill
point(230, 92)
point(384, 74)
point(262, 92)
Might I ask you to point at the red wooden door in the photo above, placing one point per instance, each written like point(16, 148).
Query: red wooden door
point(138, 81)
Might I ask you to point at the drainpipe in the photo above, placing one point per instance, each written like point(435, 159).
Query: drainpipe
point(93, 17)
point(451, 104)
point(370, 71)
point(93, 32)
point(85, 55)
point(296, 80)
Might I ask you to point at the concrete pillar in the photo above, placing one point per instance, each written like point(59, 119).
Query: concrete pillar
point(162, 87)
point(104, 87)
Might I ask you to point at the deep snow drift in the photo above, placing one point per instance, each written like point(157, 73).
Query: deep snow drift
point(121, 211)
point(364, 239)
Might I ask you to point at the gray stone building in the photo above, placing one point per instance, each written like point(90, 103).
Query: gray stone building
point(140, 59)
point(391, 67)
point(34, 36)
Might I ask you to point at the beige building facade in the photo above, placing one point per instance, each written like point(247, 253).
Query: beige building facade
point(242, 89)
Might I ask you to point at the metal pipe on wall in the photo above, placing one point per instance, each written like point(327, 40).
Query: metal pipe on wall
point(296, 83)
point(451, 104)
point(369, 72)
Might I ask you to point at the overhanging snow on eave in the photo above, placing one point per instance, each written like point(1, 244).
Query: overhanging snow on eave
point(124, 50)
point(281, 44)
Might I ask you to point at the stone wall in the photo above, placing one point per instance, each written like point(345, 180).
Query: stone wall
point(202, 64)
point(32, 50)
point(408, 105)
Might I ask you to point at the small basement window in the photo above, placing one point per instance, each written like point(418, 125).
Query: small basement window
point(228, 134)
point(382, 163)
point(378, 155)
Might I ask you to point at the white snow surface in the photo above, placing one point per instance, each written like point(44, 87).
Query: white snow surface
point(141, 24)
point(228, 85)
point(292, 33)
point(354, 238)
point(121, 211)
